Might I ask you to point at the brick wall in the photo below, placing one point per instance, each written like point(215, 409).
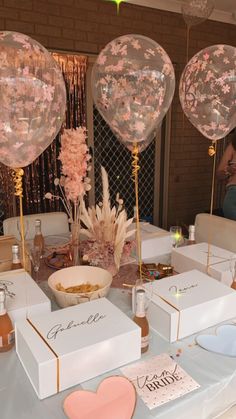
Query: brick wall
point(87, 26)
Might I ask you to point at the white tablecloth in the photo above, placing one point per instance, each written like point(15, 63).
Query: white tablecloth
point(215, 373)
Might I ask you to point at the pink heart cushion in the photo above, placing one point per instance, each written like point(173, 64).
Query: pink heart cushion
point(115, 398)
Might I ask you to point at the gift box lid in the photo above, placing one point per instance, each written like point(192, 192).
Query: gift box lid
point(187, 289)
point(155, 241)
point(227, 267)
point(21, 290)
point(69, 346)
point(200, 251)
point(77, 327)
point(149, 231)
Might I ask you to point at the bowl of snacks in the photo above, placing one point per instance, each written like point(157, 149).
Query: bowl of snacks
point(79, 284)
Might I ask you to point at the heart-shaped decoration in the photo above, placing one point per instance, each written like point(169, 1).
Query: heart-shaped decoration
point(115, 398)
point(223, 343)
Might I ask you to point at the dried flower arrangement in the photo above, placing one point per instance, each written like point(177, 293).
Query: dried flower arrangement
point(107, 228)
point(74, 183)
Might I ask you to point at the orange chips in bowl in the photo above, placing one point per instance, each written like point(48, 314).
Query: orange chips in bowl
point(79, 284)
point(77, 289)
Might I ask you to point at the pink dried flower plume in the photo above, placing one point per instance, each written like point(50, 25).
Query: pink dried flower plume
point(74, 182)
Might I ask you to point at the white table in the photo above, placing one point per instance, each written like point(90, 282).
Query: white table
point(216, 375)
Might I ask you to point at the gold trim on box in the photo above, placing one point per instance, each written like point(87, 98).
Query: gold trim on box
point(51, 349)
point(173, 306)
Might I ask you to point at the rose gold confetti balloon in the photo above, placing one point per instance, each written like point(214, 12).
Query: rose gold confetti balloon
point(32, 99)
point(196, 11)
point(207, 91)
point(133, 84)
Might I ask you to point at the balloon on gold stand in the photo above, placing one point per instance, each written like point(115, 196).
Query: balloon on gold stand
point(32, 99)
point(207, 92)
point(133, 84)
point(195, 12)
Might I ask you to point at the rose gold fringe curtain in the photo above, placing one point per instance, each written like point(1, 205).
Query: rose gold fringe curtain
point(39, 176)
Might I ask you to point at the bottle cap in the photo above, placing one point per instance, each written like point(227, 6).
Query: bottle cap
point(141, 296)
point(15, 248)
point(140, 291)
point(38, 222)
point(140, 302)
point(191, 228)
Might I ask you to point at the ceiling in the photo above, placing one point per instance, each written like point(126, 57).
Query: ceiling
point(224, 11)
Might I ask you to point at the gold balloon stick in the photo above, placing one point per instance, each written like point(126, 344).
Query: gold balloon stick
point(17, 178)
point(187, 56)
point(212, 153)
point(187, 43)
point(135, 170)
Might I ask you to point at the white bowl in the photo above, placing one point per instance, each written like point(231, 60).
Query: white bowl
point(77, 275)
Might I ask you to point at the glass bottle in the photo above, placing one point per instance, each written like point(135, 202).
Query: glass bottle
point(16, 263)
point(233, 285)
point(191, 237)
point(7, 337)
point(141, 320)
point(38, 238)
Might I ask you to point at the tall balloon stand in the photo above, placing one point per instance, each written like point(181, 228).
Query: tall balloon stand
point(212, 153)
point(194, 13)
point(135, 170)
point(17, 178)
point(187, 43)
point(139, 281)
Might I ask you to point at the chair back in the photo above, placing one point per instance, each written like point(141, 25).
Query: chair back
point(52, 223)
point(216, 230)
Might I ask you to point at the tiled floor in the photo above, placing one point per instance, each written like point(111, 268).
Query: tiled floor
point(230, 414)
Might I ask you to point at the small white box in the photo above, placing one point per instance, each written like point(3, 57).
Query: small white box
point(184, 304)
point(155, 242)
point(88, 340)
point(221, 261)
point(24, 297)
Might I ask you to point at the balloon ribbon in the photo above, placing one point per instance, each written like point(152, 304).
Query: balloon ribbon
point(212, 153)
point(17, 178)
point(135, 170)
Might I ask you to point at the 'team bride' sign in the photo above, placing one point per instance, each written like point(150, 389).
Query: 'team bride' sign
point(159, 380)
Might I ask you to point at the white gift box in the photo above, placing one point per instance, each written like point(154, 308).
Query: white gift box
point(72, 345)
point(156, 242)
point(184, 304)
point(24, 297)
point(220, 264)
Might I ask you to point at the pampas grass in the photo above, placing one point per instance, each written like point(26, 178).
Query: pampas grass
point(105, 224)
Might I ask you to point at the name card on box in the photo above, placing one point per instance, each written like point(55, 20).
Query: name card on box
point(24, 297)
point(155, 241)
point(184, 304)
point(69, 346)
point(221, 261)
